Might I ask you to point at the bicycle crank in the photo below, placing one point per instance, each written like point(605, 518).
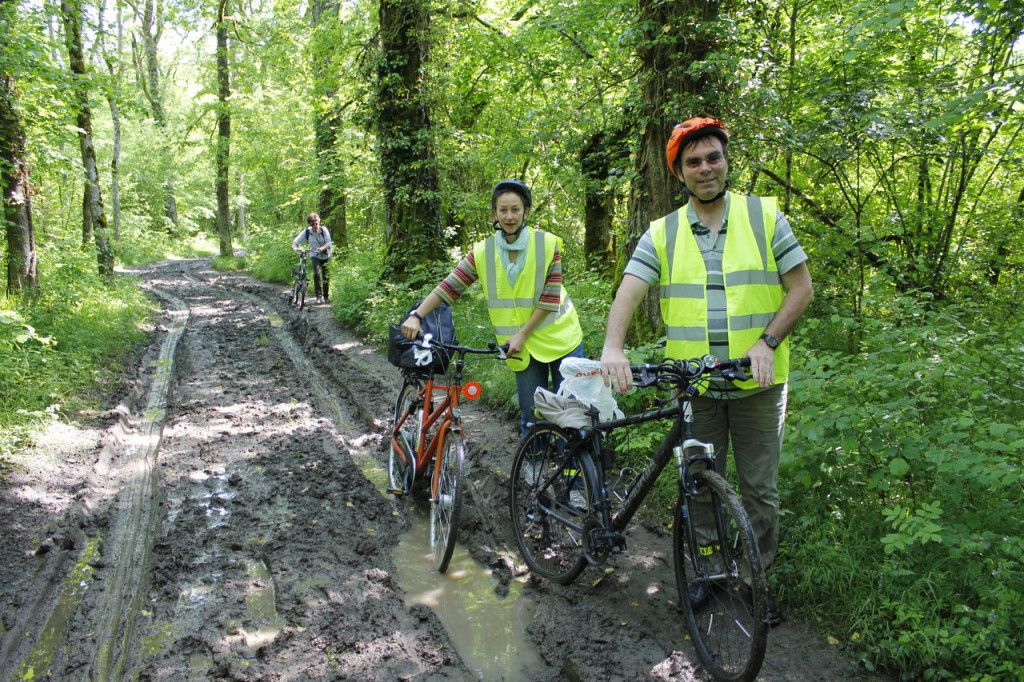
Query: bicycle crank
point(599, 543)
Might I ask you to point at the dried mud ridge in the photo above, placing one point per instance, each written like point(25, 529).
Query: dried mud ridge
point(221, 523)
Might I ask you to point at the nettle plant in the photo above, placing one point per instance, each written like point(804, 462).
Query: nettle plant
point(911, 450)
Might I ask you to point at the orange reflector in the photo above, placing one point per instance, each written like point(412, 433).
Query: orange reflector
point(471, 390)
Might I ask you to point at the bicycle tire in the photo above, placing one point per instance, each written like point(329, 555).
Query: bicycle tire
point(402, 460)
point(303, 285)
point(293, 296)
point(446, 505)
point(730, 630)
point(547, 522)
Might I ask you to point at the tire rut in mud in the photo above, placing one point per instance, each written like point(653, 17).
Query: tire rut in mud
point(273, 556)
point(272, 560)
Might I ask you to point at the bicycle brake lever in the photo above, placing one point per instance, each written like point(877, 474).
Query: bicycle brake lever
point(734, 374)
point(646, 377)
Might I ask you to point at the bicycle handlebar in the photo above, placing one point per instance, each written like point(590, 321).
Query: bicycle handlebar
point(492, 347)
point(684, 373)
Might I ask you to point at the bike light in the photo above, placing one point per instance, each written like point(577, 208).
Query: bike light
point(471, 391)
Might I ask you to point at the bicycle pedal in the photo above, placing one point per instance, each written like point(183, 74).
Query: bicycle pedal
point(396, 492)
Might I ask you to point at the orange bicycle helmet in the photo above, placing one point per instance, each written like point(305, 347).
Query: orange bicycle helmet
point(684, 130)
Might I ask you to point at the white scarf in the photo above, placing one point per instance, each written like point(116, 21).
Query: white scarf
point(512, 269)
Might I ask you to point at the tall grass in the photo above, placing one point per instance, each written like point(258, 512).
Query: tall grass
point(64, 349)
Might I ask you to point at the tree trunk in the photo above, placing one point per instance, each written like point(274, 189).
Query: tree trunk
point(148, 62)
point(668, 94)
point(240, 204)
point(597, 159)
point(327, 121)
point(223, 152)
point(116, 74)
point(94, 219)
point(412, 215)
point(22, 259)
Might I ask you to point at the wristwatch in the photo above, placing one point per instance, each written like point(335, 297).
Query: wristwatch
point(417, 315)
point(772, 341)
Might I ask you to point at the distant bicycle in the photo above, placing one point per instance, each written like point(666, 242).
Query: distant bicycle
point(564, 516)
point(427, 440)
point(301, 283)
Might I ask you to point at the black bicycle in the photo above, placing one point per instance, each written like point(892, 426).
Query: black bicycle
point(301, 283)
point(564, 516)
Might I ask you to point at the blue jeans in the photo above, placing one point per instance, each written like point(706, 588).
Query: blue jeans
point(536, 375)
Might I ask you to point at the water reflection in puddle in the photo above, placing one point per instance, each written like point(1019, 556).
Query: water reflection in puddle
point(488, 632)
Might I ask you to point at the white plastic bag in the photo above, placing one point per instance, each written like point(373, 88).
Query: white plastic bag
point(582, 380)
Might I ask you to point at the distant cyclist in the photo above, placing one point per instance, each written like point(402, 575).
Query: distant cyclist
point(320, 244)
point(520, 269)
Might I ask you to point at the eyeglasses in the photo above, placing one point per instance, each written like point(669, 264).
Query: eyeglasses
point(713, 159)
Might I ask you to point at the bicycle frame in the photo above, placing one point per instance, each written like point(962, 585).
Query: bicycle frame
point(678, 441)
point(447, 413)
point(447, 416)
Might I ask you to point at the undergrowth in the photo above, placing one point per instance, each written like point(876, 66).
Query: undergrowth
point(63, 349)
point(902, 496)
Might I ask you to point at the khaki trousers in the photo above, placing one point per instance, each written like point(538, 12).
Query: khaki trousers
point(751, 430)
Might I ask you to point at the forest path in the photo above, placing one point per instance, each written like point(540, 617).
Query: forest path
point(235, 529)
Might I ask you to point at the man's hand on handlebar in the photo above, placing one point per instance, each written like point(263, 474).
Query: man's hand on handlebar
point(762, 364)
point(615, 370)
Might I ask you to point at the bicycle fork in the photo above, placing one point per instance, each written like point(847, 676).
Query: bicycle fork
point(712, 556)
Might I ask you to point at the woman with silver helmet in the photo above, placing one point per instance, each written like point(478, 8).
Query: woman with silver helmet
point(520, 269)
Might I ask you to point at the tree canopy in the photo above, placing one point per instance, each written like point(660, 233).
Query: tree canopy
point(890, 131)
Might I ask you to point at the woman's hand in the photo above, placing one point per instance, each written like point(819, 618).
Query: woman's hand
point(411, 327)
point(516, 343)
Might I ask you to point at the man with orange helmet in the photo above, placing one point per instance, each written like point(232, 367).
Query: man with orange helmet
point(733, 282)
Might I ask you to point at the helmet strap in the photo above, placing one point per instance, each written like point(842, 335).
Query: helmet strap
point(687, 192)
point(514, 235)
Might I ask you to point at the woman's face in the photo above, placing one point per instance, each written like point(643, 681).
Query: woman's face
point(509, 212)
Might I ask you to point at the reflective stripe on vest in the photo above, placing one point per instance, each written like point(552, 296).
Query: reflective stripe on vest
point(753, 287)
point(510, 307)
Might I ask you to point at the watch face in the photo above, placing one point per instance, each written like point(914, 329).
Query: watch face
point(772, 342)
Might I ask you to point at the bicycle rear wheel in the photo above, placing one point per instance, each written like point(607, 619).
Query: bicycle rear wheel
point(549, 507)
point(729, 629)
point(405, 437)
point(446, 506)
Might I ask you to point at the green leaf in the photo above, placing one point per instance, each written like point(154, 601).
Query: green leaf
point(898, 467)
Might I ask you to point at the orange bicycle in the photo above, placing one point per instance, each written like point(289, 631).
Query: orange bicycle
point(427, 439)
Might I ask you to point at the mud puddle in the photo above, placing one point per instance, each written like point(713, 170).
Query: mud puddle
point(489, 633)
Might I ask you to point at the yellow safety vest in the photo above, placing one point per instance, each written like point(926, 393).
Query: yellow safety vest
point(510, 307)
point(753, 287)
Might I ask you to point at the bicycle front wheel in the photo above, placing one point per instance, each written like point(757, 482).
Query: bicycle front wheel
point(550, 501)
point(723, 591)
point(300, 298)
point(446, 505)
point(405, 438)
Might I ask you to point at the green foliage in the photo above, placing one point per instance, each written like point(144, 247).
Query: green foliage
point(912, 450)
point(64, 349)
point(228, 263)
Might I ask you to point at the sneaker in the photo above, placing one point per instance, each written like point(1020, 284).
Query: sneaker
point(774, 614)
point(577, 497)
point(699, 596)
point(319, 300)
point(533, 468)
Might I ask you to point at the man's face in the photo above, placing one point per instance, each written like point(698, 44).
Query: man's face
point(705, 167)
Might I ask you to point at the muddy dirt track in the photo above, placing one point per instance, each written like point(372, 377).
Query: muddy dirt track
point(226, 521)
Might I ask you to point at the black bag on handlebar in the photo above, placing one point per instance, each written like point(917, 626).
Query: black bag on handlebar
point(410, 355)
